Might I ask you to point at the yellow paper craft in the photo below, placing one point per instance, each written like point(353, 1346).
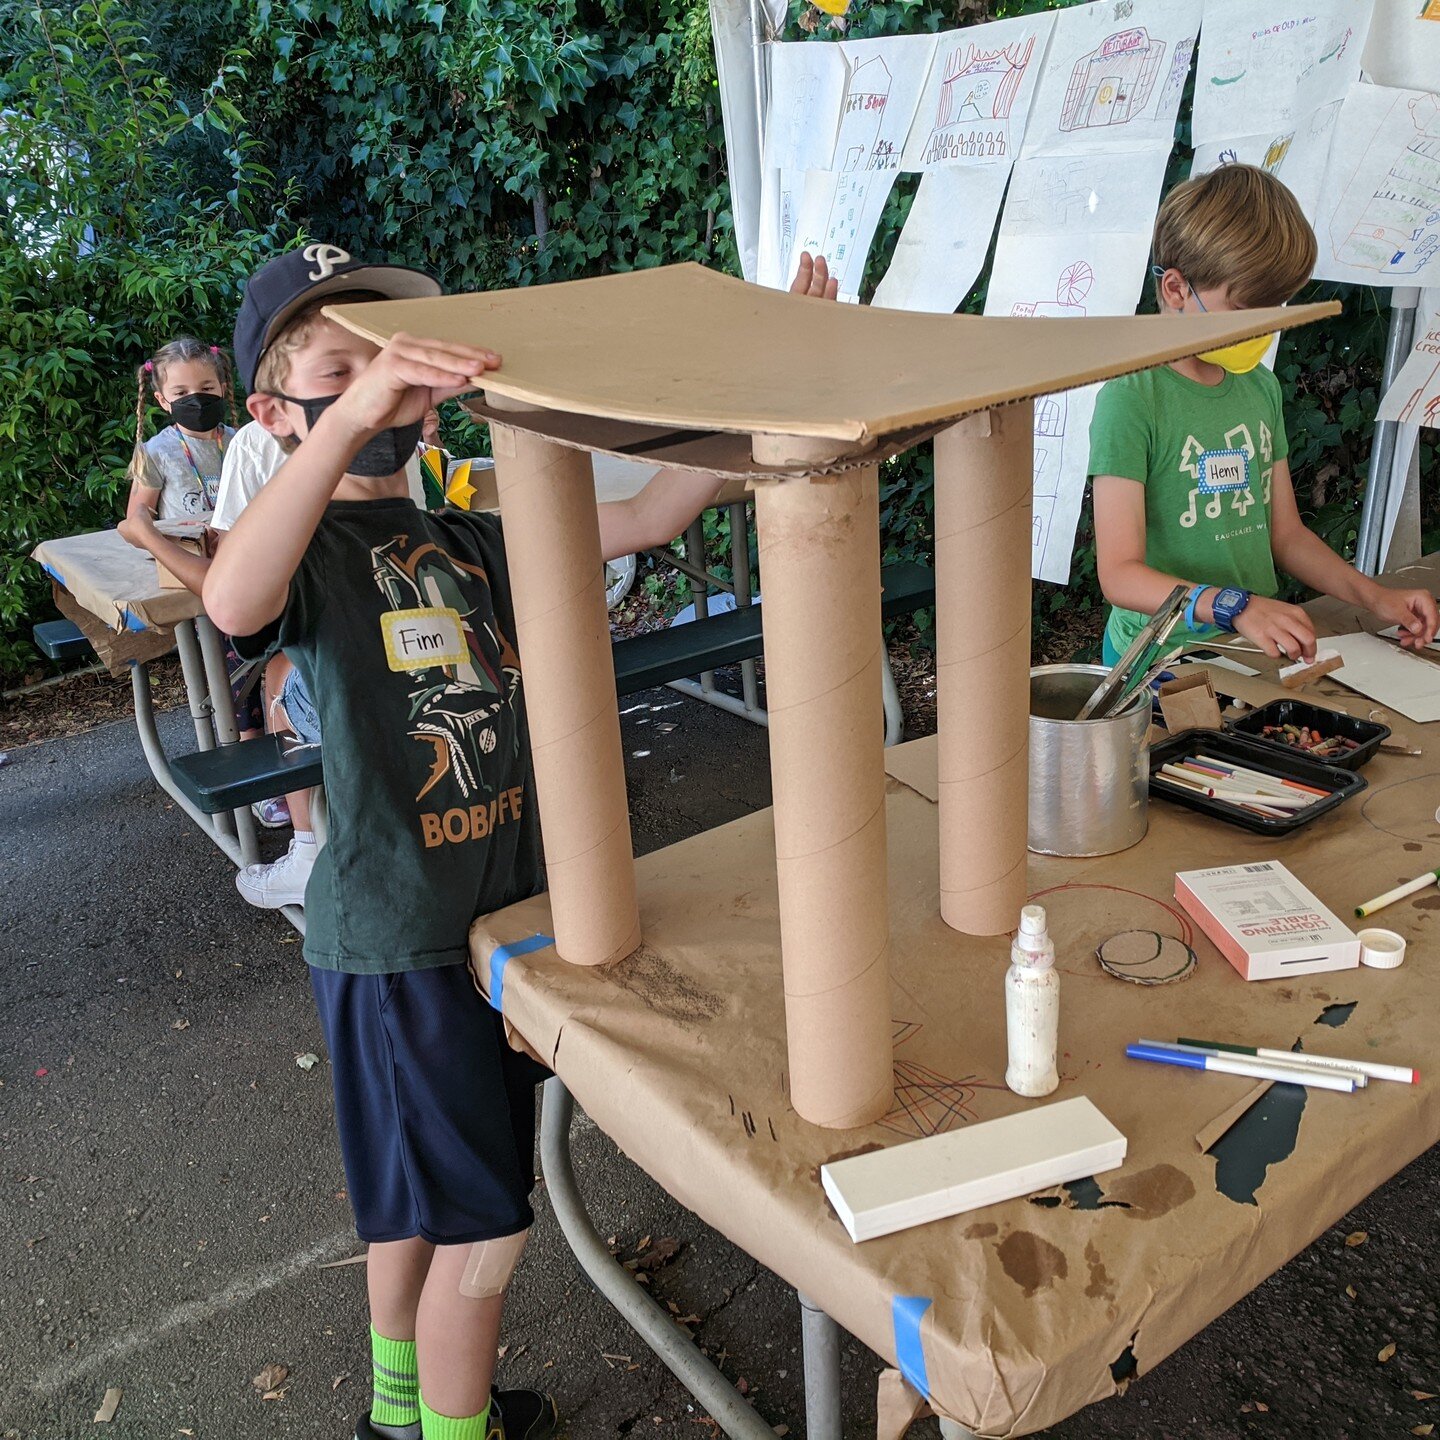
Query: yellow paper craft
point(458, 489)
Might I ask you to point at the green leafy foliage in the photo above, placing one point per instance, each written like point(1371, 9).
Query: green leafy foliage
point(155, 155)
point(103, 256)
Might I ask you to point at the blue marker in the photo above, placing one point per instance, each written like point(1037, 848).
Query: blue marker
point(1245, 1065)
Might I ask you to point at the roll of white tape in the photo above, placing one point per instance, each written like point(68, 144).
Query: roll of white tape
point(1381, 949)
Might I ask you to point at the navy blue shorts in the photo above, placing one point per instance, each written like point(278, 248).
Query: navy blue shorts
point(436, 1112)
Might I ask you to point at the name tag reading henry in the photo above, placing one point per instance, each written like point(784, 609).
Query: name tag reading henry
point(418, 639)
point(1222, 470)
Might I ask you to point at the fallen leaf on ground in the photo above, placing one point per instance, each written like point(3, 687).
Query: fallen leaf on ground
point(1357, 1237)
point(307, 1061)
point(1262, 1407)
point(1350, 1291)
point(339, 1380)
point(180, 1025)
point(1386, 1353)
point(660, 1253)
point(1422, 1429)
point(1422, 1394)
point(108, 1406)
point(271, 1377)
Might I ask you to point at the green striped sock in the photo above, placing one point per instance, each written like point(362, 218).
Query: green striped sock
point(443, 1427)
point(397, 1382)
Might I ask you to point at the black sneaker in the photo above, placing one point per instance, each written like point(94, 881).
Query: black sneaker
point(364, 1430)
point(524, 1414)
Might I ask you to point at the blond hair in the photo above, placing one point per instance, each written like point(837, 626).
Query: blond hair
point(273, 371)
point(1240, 228)
point(151, 375)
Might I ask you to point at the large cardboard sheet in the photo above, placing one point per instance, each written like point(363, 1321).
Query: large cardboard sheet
point(685, 347)
point(678, 1054)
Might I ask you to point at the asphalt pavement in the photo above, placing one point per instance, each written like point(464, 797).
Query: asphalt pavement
point(171, 1195)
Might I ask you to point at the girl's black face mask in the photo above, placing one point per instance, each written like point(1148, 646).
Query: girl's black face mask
point(200, 411)
point(379, 457)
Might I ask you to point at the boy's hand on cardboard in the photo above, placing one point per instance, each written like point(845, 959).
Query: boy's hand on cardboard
point(409, 377)
point(1414, 611)
point(1280, 630)
point(814, 278)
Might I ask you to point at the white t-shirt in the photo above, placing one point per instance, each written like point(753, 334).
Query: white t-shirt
point(252, 456)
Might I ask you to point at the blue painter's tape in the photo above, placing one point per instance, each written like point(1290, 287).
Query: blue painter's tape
point(53, 573)
point(906, 1313)
point(503, 955)
point(133, 622)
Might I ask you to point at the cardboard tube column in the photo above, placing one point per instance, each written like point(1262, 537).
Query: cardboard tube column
point(983, 479)
point(820, 571)
point(552, 543)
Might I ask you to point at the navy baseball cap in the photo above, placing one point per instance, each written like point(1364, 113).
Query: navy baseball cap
point(283, 285)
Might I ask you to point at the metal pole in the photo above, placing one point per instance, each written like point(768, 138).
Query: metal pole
point(1403, 301)
point(820, 1339)
point(699, 589)
point(196, 691)
point(649, 1320)
point(227, 731)
point(762, 73)
point(740, 583)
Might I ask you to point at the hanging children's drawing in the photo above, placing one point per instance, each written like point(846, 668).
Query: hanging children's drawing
point(1414, 396)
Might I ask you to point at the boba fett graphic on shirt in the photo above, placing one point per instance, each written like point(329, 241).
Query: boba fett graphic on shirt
point(463, 671)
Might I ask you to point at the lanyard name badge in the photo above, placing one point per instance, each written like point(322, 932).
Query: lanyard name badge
point(209, 489)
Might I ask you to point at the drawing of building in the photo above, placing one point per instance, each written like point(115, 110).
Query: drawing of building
point(857, 146)
point(1070, 289)
point(1113, 83)
point(1398, 232)
point(975, 101)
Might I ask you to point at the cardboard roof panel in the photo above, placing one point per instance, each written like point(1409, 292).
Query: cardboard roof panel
point(686, 347)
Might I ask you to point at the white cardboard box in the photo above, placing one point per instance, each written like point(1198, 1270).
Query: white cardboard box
point(1265, 922)
point(942, 1175)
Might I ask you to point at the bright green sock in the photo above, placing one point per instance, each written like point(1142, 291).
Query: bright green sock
point(443, 1427)
point(396, 1384)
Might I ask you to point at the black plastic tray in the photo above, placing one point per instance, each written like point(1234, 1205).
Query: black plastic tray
point(1262, 756)
point(1328, 722)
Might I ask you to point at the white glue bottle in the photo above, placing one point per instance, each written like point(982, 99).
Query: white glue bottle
point(1032, 1007)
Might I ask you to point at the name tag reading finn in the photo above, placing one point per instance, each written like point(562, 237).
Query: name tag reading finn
point(419, 639)
point(1222, 470)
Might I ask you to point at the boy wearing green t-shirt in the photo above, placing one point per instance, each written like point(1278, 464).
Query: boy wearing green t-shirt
point(1190, 460)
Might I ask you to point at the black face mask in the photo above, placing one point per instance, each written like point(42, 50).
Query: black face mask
point(376, 458)
point(198, 411)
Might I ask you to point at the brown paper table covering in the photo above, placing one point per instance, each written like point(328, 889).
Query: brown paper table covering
point(678, 1054)
point(114, 581)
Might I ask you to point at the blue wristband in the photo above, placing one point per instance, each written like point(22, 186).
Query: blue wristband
point(1191, 601)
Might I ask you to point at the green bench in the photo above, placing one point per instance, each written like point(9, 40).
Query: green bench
point(60, 639)
point(645, 661)
point(231, 777)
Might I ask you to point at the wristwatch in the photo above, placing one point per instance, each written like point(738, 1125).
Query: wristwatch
point(1228, 606)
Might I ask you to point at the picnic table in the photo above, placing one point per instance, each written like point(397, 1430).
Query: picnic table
point(1012, 1317)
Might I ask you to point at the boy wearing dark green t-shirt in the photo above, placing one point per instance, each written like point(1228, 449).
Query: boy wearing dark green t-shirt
point(432, 816)
point(1190, 460)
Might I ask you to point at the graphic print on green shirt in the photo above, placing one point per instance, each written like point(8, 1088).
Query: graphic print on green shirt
point(400, 623)
point(1206, 455)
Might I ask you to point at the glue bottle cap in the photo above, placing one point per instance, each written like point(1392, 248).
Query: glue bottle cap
point(1033, 941)
point(1032, 920)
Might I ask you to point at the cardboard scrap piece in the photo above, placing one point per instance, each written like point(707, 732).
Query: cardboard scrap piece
point(1326, 662)
point(898, 1405)
point(109, 1405)
point(1188, 702)
point(1210, 1133)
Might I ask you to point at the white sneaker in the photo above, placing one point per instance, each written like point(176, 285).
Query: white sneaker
point(282, 882)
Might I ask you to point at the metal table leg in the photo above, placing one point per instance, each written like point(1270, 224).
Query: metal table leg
point(649, 1319)
point(192, 667)
point(820, 1336)
point(740, 575)
point(222, 715)
point(699, 589)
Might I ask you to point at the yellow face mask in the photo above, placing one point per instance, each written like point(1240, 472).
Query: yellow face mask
point(1241, 357)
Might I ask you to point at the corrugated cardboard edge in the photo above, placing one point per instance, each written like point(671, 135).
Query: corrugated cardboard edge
point(855, 429)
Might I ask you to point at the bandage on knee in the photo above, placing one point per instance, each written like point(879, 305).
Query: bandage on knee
point(490, 1265)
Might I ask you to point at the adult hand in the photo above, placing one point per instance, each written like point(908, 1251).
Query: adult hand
point(1282, 631)
point(814, 278)
point(408, 377)
point(1414, 611)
